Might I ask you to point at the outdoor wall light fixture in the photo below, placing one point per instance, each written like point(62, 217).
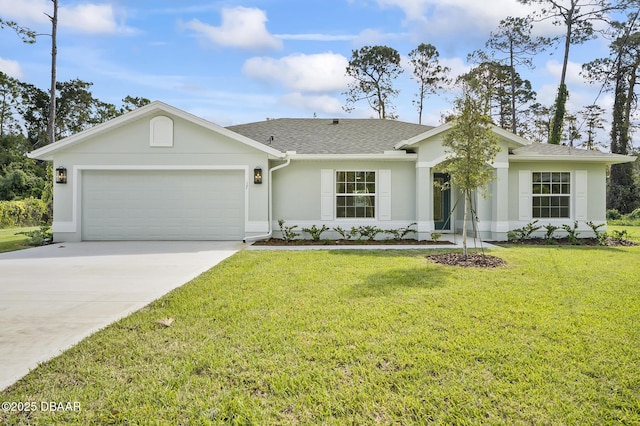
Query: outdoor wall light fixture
point(61, 175)
point(257, 175)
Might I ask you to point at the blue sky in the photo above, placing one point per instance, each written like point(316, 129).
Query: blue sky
point(234, 61)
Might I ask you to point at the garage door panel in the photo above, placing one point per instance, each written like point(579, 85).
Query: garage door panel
point(162, 205)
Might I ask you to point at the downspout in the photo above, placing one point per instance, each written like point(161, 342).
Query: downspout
point(270, 202)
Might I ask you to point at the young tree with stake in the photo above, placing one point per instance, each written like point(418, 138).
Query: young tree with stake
point(471, 146)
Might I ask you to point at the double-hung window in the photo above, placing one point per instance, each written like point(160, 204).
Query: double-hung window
point(551, 194)
point(355, 194)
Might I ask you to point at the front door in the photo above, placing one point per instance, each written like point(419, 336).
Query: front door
point(441, 202)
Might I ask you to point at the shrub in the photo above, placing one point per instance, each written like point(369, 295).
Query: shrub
point(27, 212)
point(288, 232)
point(620, 235)
point(524, 233)
point(613, 214)
point(634, 215)
point(38, 237)
point(400, 233)
point(315, 232)
point(551, 229)
point(600, 236)
point(572, 233)
point(435, 236)
point(346, 235)
point(369, 232)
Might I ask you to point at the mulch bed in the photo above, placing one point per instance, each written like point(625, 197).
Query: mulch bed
point(341, 242)
point(473, 260)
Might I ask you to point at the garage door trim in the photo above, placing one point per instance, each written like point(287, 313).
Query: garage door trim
point(75, 224)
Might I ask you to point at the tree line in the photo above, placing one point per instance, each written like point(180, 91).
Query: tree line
point(24, 120)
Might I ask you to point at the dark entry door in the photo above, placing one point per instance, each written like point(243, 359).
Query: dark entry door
point(441, 201)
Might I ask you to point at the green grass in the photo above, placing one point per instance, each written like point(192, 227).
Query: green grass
point(366, 337)
point(624, 221)
point(633, 231)
point(9, 241)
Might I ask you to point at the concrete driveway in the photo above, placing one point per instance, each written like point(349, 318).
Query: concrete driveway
point(52, 297)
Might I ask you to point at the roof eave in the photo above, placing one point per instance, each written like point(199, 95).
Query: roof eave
point(400, 156)
point(613, 159)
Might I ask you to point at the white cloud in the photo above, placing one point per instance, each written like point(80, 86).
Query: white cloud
point(89, 18)
point(316, 37)
point(323, 72)
point(464, 18)
point(11, 68)
point(458, 66)
point(26, 10)
point(579, 97)
point(373, 37)
point(317, 104)
point(241, 27)
point(573, 72)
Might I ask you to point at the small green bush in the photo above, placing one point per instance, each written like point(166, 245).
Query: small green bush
point(620, 235)
point(369, 232)
point(634, 215)
point(400, 233)
point(572, 232)
point(288, 232)
point(346, 235)
point(38, 237)
point(315, 232)
point(524, 233)
point(551, 229)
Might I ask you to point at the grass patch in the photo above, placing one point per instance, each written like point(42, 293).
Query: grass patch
point(366, 337)
point(633, 231)
point(9, 241)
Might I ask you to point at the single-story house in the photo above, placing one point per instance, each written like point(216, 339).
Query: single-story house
point(159, 173)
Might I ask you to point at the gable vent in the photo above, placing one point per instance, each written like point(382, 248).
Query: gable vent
point(161, 132)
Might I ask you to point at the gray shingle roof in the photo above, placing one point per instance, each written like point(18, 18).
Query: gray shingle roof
point(322, 136)
point(543, 149)
point(547, 152)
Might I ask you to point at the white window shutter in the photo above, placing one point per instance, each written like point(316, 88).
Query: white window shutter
point(580, 188)
point(327, 194)
point(384, 195)
point(524, 194)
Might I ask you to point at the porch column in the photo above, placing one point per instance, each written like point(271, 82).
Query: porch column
point(500, 222)
point(424, 201)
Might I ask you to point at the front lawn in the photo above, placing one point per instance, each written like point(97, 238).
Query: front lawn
point(9, 241)
point(366, 337)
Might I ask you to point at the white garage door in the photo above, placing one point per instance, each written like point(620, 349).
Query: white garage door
point(162, 205)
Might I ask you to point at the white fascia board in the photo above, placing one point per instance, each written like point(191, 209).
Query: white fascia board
point(422, 136)
point(46, 152)
point(343, 157)
point(514, 139)
point(511, 137)
point(612, 159)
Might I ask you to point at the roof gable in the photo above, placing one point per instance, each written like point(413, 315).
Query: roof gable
point(512, 139)
point(47, 152)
